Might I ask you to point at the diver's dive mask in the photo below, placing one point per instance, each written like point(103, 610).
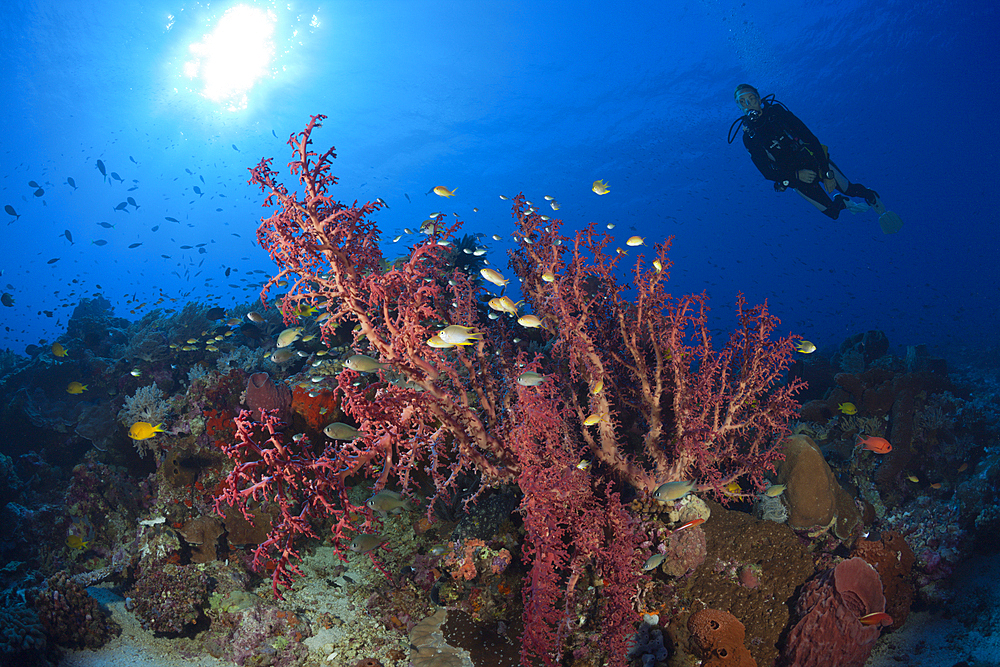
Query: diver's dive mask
point(744, 93)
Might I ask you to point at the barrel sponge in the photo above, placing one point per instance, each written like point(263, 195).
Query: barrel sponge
point(829, 608)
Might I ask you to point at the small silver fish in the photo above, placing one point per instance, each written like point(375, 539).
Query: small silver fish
point(365, 542)
point(387, 502)
point(341, 431)
point(362, 363)
point(673, 491)
point(654, 562)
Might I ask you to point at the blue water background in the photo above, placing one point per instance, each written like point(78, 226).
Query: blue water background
point(501, 97)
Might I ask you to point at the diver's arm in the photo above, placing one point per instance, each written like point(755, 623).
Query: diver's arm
point(760, 159)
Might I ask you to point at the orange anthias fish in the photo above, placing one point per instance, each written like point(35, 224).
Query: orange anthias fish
point(876, 618)
point(875, 444)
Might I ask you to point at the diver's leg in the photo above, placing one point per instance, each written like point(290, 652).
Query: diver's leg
point(816, 195)
point(852, 189)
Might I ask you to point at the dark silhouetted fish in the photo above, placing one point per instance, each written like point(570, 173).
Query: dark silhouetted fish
point(131, 201)
point(100, 168)
point(53, 260)
point(115, 176)
point(122, 207)
point(198, 190)
point(10, 211)
point(215, 313)
point(106, 225)
point(156, 227)
point(235, 148)
point(71, 182)
point(172, 219)
point(39, 192)
point(99, 242)
point(135, 245)
point(69, 237)
point(33, 184)
point(132, 158)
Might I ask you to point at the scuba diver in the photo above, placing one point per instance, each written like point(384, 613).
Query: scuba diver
point(786, 152)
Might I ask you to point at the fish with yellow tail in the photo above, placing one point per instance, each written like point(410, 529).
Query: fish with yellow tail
point(75, 388)
point(456, 334)
point(442, 191)
point(600, 188)
point(805, 347)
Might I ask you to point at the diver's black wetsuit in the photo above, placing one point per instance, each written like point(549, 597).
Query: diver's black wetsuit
point(780, 145)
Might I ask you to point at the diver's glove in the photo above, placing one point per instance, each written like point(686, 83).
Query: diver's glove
point(780, 186)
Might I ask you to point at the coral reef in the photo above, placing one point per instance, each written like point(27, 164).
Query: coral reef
point(22, 637)
point(170, 598)
point(70, 616)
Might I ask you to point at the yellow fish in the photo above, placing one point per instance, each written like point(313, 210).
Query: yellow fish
point(494, 277)
point(847, 408)
point(442, 191)
point(530, 321)
point(75, 388)
point(305, 310)
point(549, 277)
point(774, 490)
point(600, 187)
point(805, 347)
point(456, 334)
point(503, 304)
point(144, 430)
point(593, 419)
point(289, 336)
point(635, 241)
point(658, 265)
point(437, 342)
point(58, 350)
point(76, 542)
point(732, 489)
